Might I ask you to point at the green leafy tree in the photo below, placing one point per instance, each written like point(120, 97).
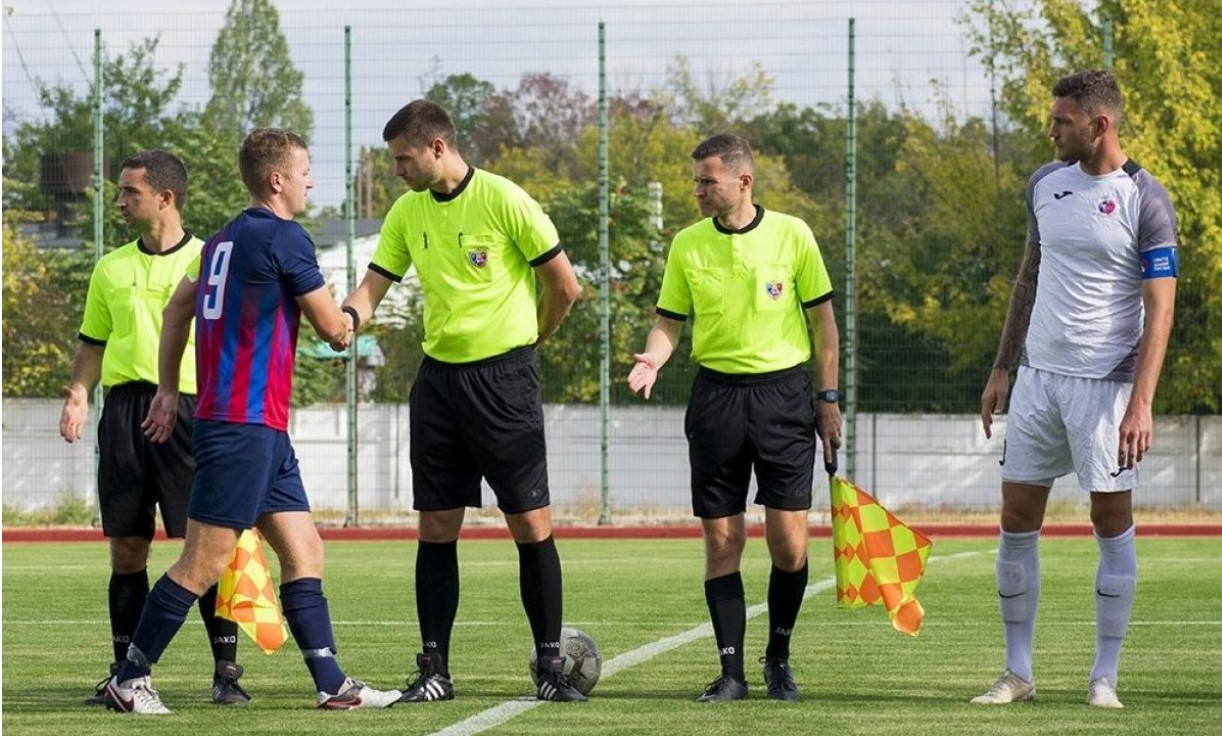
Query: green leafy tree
point(483, 116)
point(138, 99)
point(44, 297)
point(1164, 56)
point(254, 83)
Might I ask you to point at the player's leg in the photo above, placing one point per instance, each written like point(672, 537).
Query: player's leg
point(721, 473)
point(1036, 452)
point(204, 556)
point(171, 471)
point(1097, 409)
point(294, 537)
point(784, 443)
point(127, 519)
point(126, 594)
point(1115, 589)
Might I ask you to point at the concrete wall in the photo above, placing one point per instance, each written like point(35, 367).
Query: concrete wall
point(934, 462)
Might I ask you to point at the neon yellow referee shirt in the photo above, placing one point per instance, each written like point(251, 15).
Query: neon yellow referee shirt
point(473, 250)
point(747, 290)
point(128, 290)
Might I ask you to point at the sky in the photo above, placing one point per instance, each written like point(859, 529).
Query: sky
point(904, 51)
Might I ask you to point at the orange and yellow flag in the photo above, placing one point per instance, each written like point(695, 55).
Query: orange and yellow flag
point(246, 594)
point(878, 557)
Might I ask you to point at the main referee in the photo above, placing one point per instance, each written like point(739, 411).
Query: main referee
point(477, 241)
point(119, 335)
point(746, 275)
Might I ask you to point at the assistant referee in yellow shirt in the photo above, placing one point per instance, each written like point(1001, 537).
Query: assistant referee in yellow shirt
point(119, 336)
point(746, 276)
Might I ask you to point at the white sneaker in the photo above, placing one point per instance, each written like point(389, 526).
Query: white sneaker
point(134, 696)
point(1103, 694)
point(356, 694)
point(1009, 688)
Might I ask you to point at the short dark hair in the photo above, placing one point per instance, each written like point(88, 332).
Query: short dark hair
point(419, 122)
point(733, 150)
point(1095, 91)
point(162, 171)
point(263, 151)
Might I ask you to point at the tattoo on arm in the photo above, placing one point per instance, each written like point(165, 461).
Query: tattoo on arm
point(1018, 318)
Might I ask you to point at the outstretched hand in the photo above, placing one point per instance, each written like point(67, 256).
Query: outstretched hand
point(643, 374)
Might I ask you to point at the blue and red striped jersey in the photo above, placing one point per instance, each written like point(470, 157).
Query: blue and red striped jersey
point(246, 317)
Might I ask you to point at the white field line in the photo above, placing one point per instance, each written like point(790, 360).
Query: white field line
point(497, 715)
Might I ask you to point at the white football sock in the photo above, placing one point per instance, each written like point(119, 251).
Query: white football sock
point(1018, 591)
point(1115, 586)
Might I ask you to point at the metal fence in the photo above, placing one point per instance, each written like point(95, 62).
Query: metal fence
point(829, 69)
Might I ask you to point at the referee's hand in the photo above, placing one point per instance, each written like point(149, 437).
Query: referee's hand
point(643, 374)
point(163, 414)
point(75, 414)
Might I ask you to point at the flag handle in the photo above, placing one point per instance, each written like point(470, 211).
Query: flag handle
point(834, 465)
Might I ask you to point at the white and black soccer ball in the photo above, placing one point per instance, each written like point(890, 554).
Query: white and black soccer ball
point(582, 662)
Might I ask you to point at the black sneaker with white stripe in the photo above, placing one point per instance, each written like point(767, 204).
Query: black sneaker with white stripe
point(554, 685)
point(429, 683)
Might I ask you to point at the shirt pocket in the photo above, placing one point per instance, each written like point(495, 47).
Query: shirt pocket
point(773, 287)
point(483, 256)
point(708, 290)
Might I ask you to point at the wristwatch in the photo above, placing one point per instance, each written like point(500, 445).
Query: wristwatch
point(831, 396)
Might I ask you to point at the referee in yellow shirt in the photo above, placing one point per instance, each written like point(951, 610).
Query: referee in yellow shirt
point(746, 276)
point(119, 336)
point(477, 242)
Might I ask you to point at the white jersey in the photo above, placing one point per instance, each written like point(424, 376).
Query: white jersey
point(1092, 231)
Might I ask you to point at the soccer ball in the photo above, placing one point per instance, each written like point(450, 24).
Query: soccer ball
point(582, 662)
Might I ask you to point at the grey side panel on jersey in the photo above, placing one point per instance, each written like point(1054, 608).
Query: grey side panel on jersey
point(1156, 225)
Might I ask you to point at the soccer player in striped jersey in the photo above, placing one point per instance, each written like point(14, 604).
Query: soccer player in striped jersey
point(256, 277)
point(1087, 330)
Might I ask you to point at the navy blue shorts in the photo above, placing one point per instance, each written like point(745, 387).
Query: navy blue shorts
point(243, 471)
point(479, 420)
point(736, 423)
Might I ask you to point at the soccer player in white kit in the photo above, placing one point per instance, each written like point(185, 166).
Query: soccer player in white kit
point(1087, 329)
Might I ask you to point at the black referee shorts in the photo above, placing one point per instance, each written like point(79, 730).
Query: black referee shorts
point(738, 422)
point(135, 476)
point(479, 420)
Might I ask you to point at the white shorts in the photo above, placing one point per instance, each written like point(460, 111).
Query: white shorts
point(1058, 424)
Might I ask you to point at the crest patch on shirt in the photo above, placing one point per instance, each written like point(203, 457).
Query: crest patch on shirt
point(774, 289)
point(478, 258)
point(1107, 204)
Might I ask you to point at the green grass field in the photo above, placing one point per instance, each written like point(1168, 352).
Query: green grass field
point(857, 675)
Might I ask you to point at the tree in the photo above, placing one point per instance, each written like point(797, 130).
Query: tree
point(1172, 126)
point(44, 297)
point(483, 116)
point(254, 83)
point(137, 100)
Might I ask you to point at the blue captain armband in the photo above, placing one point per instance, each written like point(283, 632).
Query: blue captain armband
point(1159, 263)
